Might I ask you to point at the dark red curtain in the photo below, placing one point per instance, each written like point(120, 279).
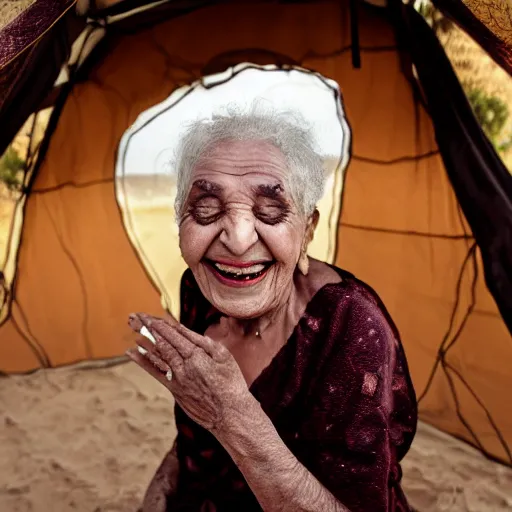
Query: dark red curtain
point(33, 48)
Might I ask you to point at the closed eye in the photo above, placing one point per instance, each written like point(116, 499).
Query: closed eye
point(271, 212)
point(206, 210)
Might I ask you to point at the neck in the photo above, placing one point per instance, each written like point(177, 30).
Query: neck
point(277, 316)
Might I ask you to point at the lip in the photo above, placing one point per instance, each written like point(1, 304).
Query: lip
point(233, 282)
point(239, 264)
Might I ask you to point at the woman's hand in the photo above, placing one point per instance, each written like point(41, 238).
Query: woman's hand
point(206, 380)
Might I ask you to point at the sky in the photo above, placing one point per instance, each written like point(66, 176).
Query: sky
point(148, 146)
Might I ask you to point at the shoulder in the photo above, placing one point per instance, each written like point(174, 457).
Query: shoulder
point(363, 355)
point(357, 325)
point(354, 298)
point(368, 309)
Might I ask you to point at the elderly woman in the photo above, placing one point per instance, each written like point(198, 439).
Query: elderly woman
point(291, 385)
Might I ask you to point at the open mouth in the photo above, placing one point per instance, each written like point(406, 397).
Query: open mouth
point(247, 274)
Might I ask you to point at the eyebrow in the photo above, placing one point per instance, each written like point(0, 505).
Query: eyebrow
point(208, 186)
point(270, 191)
point(275, 192)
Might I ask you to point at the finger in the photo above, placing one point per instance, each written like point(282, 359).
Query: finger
point(178, 337)
point(213, 348)
point(160, 365)
point(139, 322)
point(161, 352)
point(168, 353)
point(164, 327)
point(147, 345)
point(170, 335)
point(148, 366)
point(140, 319)
point(155, 325)
point(150, 352)
point(170, 319)
point(183, 340)
point(135, 322)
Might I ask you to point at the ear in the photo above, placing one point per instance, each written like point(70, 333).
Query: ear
point(303, 262)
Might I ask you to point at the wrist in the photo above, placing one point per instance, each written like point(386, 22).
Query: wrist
point(239, 421)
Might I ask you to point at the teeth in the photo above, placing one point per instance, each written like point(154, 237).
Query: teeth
point(145, 332)
point(240, 271)
point(143, 351)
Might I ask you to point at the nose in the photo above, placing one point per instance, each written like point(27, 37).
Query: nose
point(239, 233)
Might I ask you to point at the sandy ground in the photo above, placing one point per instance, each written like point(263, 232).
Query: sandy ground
point(90, 440)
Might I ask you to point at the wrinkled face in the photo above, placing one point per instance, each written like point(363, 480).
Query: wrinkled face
point(241, 233)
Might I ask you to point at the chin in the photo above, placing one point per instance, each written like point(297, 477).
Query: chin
point(241, 309)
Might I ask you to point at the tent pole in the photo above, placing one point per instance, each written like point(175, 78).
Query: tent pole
point(354, 34)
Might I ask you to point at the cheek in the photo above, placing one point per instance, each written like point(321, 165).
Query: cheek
point(195, 240)
point(284, 242)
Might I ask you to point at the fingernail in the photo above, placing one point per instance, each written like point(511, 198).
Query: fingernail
point(135, 322)
point(143, 351)
point(147, 334)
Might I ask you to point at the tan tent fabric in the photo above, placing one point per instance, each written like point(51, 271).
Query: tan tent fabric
point(401, 228)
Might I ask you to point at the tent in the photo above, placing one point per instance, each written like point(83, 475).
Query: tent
point(425, 215)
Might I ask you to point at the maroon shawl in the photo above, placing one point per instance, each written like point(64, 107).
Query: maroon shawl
point(338, 393)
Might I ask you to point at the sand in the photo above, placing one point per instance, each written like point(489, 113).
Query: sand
point(89, 440)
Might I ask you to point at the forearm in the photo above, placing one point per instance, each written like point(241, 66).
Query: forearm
point(278, 480)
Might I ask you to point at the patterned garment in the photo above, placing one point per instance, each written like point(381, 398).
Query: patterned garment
point(339, 394)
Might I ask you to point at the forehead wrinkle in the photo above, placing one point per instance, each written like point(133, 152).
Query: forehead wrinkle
point(245, 169)
point(257, 163)
point(277, 181)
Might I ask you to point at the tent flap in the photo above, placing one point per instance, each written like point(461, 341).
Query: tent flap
point(40, 55)
point(481, 181)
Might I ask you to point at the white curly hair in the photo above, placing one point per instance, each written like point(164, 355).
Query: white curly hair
point(287, 131)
